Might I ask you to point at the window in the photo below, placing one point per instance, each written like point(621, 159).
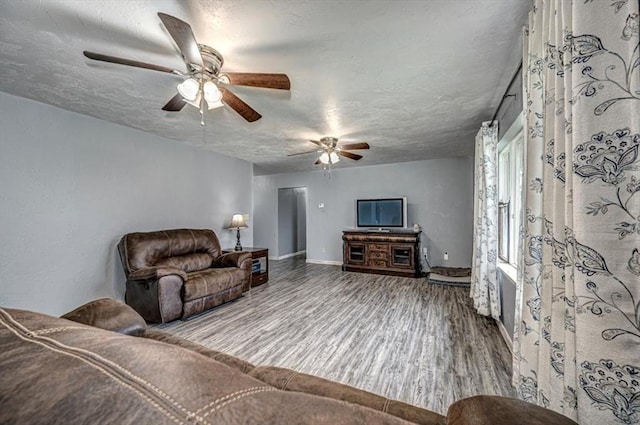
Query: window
point(510, 176)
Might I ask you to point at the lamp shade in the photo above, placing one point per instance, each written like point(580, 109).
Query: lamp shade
point(237, 222)
point(333, 157)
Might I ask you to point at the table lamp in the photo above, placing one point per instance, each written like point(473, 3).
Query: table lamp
point(237, 222)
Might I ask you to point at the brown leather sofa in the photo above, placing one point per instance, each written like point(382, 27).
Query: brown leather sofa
point(177, 273)
point(100, 364)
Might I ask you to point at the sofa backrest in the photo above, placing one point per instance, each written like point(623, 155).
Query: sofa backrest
point(59, 371)
point(185, 249)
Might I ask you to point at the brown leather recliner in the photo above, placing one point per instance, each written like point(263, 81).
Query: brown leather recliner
point(177, 273)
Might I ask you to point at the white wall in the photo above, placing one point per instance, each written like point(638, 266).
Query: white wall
point(71, 186)
point(439, 193)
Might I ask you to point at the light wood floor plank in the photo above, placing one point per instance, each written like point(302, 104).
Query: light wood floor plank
point(402, 338)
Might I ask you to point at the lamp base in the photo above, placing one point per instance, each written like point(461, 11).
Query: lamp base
point(238, 245)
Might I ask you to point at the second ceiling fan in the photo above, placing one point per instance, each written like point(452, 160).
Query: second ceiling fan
point(205, 83)
point(330, 152)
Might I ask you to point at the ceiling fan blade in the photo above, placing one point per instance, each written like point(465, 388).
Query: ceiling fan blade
point(267, 81)
point(302, 153)
point(355, 146)
point(238, 105)
point(129, 62)
point(182, 34)
point(322, 145)
point(346, 154)
point(317, 162)
point(175, 104)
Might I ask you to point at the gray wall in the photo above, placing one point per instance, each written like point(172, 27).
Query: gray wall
point(71, 186)
point(439, 193)
point(292, 220)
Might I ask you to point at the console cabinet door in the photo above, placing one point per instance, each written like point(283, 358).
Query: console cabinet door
point(356, 253)
point(402, 256)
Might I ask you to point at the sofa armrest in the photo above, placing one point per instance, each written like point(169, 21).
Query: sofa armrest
point(156, 273)
point(233, 259)
point(490, 410)
point(109, 314)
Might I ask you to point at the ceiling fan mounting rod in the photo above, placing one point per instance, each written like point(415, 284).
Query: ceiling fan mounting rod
point(330, 142)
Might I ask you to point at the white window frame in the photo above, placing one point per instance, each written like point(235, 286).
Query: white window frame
point(510, 189)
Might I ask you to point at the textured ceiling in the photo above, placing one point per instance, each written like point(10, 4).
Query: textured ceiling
point(415, 79)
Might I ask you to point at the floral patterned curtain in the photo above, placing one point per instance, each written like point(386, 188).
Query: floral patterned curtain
point(484, 287)
point(577, 336)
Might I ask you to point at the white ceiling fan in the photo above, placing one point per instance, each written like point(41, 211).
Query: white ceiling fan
point(330, 152)
point(204, 83)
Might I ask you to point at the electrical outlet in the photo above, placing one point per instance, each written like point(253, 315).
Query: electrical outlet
point(424, 250)
point(446, 256)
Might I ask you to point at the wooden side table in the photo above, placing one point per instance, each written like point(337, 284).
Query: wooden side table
point(259, 264)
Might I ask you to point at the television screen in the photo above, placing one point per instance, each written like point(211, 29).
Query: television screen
point(381, 212)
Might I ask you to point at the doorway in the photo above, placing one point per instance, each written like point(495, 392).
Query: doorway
point(292, 222)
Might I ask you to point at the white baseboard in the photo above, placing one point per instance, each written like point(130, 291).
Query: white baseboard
point(332, 263)
point(282, 257)
point(505, 335)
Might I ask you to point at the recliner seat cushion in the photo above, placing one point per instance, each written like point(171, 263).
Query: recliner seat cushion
point(211, 281)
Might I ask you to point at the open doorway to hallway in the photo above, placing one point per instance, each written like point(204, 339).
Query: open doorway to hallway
point(292, 222)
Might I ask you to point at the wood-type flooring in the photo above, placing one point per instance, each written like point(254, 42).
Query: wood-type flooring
point(402, 338)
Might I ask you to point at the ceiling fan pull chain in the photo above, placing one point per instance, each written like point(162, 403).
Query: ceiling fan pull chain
point(201, 102)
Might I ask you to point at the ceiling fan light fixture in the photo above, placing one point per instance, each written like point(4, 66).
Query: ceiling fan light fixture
point(211, 92)
point(333, 157)
point(189, 89)
point(212, 95)
point(324, 158)
point(195, 102)
point(214, 105)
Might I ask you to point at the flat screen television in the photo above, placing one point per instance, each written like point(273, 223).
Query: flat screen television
point(381, 213)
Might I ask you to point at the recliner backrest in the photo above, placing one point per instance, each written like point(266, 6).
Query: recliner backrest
point(186, 249)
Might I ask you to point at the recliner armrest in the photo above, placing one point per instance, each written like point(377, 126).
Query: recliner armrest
point(232, 259)
point(109, 314)
point(156, 273)
point(491, 410)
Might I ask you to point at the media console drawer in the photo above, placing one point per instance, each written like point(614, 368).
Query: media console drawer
point(378, 247)
point(378, 254)
point(378, 263)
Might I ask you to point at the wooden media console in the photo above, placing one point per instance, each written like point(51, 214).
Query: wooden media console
point(392, 252)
